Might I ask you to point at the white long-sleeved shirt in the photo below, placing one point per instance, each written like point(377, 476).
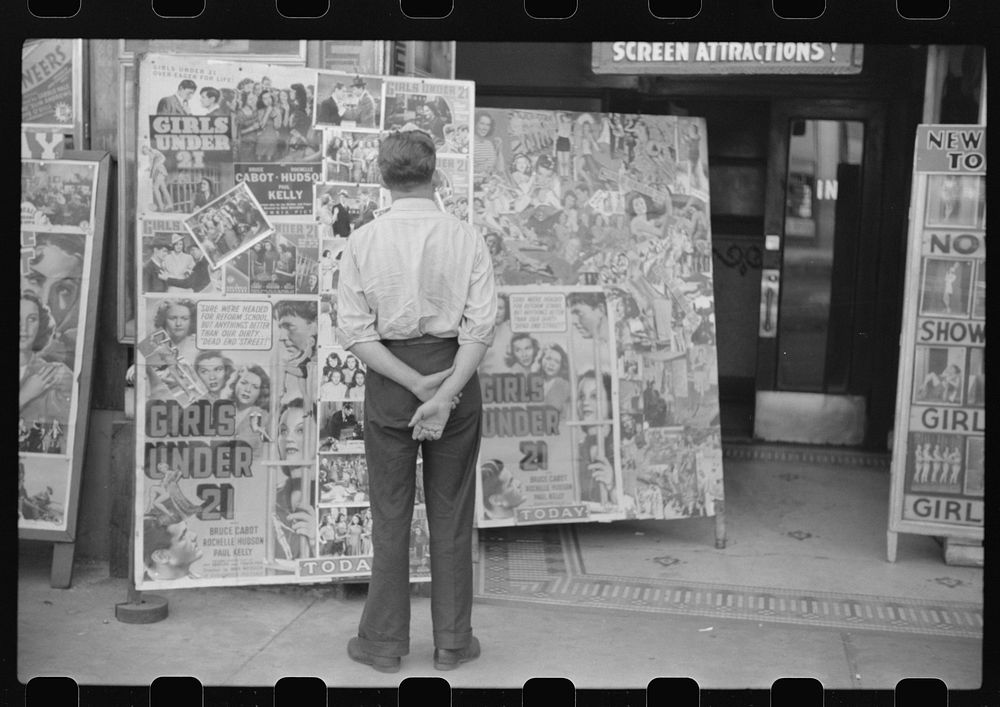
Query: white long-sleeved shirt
point(414, 271)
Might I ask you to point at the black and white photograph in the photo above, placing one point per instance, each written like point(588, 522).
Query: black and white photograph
point(348, 101)
point(229, 225)
point(342, 426)
point(979, 291)
point(975, 387)
point(946, 287)
point(292, 520)
point(432, 114)
point(350, 156)
point(42, 492)
point(341, 209)
point(343, 375)
point(936, 462)
point(345, 531)
point(956, 201)
point(331, 250)
point(975, 467)
point(283, 263)
point(343, 478)
point(419, 356)
point(327, 327)
point(939, 375)
point(57, 195)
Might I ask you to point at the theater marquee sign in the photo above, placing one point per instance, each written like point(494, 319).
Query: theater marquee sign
point(727, 58)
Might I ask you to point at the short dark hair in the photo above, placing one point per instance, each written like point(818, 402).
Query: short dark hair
point(295, 308)
point(70, 243)
point(45, 325)
point(594, 300)
point(407, 160)
point(211, 92)
point(187, 83)
point(156, 534)
point(490, 478)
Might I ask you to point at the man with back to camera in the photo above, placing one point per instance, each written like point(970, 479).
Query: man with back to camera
point(399, 313)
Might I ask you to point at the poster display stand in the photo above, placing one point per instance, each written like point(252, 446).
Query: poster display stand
point(601, 387)
point(938, 468)
point(601, 390)
point(64, 205)
point(249, 459)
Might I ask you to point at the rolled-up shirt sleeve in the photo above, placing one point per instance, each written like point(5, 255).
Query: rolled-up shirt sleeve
point(355, 318)
point(478, 322)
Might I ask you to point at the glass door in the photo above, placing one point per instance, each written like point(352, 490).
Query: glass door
point(819, 273)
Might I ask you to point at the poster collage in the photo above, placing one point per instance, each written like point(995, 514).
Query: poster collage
point(58, 205)
point(598, 225)
point(250, 459)
point(944, 475)
point(600, 390)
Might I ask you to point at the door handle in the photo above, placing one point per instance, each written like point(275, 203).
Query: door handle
point(769, 287)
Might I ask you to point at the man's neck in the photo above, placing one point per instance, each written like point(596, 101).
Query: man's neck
point(422, 192)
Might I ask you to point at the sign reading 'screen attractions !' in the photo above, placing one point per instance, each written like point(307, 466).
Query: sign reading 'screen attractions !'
point(727, 58)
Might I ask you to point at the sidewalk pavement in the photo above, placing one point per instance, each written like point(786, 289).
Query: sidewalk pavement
point(256, 636)
point(253, 636)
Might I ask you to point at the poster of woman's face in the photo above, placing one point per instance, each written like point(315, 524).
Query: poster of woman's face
point(946, 287)
point(955, 201)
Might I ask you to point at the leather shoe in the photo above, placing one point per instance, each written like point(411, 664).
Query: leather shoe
point(449, 659)
point(381, 663)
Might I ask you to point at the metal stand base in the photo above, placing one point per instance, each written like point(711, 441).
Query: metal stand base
point(142, 609)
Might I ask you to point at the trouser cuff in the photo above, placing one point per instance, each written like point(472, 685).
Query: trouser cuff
point(449, 640)
point(384, 649)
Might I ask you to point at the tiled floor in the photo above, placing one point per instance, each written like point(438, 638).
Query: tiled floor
point(806, 545)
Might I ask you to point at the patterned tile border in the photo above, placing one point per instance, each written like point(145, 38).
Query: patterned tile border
point(539, 566)
point(806, 455)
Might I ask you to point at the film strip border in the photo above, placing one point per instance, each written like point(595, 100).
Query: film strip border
point(539, 567)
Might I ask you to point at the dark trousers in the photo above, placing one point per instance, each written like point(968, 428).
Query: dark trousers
point(449, 465)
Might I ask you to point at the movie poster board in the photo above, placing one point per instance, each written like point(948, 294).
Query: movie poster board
point(63, 215)
point(250, 459)
point(283, 52)
point(938, 467)
point(52, 87)
point(598, 225)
